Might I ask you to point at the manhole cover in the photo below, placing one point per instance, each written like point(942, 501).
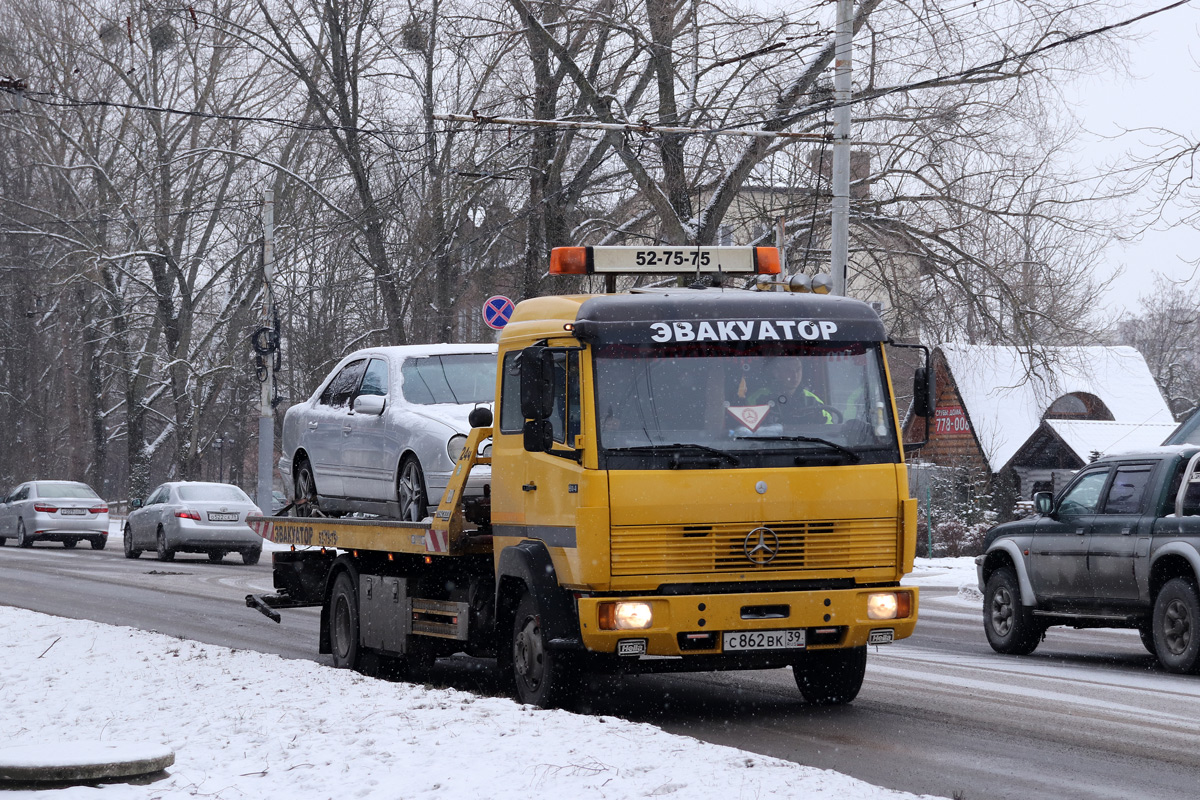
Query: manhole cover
point(82, 761)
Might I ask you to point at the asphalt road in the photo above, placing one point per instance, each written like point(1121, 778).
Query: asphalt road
point(1089, 715)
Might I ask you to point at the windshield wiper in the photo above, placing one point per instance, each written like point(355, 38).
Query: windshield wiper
point(813, 439)
point(673, 449)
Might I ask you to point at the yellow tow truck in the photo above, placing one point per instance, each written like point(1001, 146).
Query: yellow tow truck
point(682, 479)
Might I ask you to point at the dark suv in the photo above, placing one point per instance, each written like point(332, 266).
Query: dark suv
point(1119, 548)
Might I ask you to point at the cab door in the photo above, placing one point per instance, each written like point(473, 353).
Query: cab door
point(551, 487)
point(1058, 552)
point(1121, 524)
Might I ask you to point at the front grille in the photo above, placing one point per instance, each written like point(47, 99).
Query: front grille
point(817, 545)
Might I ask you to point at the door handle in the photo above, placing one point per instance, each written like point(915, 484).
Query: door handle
point(312, 425)
point(347, 428)
point(1079, 531)
point(529, 487)
point(1126, 531)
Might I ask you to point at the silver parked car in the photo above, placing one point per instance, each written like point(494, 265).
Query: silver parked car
point(193, 517)
point(380, 435)
point(54, 511)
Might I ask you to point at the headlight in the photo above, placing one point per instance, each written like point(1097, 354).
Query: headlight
point(625, 616)
point(888, 605)
point(455, 446)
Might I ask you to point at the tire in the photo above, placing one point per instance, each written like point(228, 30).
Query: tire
point(127, 541)
point(410, 490)
point(830, 677)
point(216, 556)
point(22, 539)
point(1008, 623)
point(1177, 626)
point(1146, 633)
point(251, 557)
point(343, 623)
point(307, 502)
point(70, 543)
point(543, 677)
point(98, 542)
point(164, 553)
point(3, 540)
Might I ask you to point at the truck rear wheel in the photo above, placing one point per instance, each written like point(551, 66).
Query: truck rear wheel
point(543, 677)
point(831, 677)
point(343, 623)
point(1177, 626)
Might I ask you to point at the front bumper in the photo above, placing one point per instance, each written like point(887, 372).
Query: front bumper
point(833, 619)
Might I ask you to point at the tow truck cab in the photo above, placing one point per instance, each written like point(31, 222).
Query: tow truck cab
point(686, 508)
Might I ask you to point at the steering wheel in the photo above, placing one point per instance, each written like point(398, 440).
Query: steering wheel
point(816, 414)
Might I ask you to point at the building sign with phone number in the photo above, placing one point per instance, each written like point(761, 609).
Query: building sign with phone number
point(951, 421)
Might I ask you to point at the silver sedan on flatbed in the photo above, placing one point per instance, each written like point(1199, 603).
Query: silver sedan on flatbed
point(380, 435)
point(193, 517)
point(54, 511)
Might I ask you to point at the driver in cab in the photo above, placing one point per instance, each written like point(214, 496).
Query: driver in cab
point(785, 391)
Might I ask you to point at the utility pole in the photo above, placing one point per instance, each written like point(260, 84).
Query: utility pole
point(840, 221)
point(266, 417)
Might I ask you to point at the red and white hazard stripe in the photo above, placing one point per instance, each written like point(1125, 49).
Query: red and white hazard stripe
point(437, 541)
point(262, 527)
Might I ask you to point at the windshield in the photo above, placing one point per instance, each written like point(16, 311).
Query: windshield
point(213, 492)
point(763, 403)
point(65, 490)
point(463, 378)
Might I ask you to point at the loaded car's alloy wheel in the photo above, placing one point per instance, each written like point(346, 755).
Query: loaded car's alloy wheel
point(410, 491)
point(307, 504)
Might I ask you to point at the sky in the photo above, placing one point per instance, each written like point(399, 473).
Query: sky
point(1158, 92)
point(252, 725)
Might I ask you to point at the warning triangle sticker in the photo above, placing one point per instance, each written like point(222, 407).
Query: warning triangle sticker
point(750, 416)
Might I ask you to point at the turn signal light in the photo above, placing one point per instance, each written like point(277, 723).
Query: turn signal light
point(568, 261)
point(187, 513)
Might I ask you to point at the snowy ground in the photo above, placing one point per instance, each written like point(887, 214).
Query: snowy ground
point(250, 725)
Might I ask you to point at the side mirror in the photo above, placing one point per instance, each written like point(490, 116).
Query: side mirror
point(136, 503)
point(923, 396)
point(539, 436)
point(480, 417)
point(537, 382)
point(371, 404)
point(1043, 502)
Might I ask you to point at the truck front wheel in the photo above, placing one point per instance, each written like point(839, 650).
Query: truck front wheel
point(1008, 622)
point(543, 677)
point(343, 623)
point(831, 677)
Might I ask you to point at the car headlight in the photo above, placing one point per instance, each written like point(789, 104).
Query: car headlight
point(625, 616)
point(454, 447)
point(888, 605)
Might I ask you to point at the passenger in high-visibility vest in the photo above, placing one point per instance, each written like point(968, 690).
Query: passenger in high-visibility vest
point(790, 400)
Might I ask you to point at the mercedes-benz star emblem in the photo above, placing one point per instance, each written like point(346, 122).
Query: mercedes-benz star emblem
point(761, 546)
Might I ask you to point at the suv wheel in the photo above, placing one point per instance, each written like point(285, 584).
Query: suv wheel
point(1177, 626)
point(1008, 623)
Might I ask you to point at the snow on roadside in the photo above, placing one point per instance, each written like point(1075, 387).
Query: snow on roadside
point(251, 725)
